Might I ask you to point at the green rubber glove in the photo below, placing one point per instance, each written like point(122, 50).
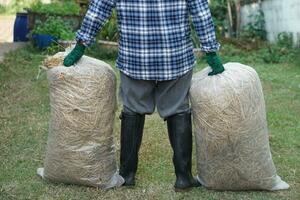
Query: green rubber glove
point(74, 55)
point(215, 63)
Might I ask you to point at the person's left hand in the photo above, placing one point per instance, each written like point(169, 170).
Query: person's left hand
point(74, 55)
point(215, 63)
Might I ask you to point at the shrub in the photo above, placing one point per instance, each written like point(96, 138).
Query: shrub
point(110, 29)
point(2, 9)
point(238, 50)
point(15, 6)
point(56, 27)
point(101, 52)
point(255, 29)
point(281, 52)
point(285, 40)
point(219, 14)
point(57, 8)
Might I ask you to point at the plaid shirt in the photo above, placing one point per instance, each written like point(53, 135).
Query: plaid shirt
point(155, 37)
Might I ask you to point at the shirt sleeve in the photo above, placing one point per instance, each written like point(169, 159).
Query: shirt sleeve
point(97, 14)
point(204, 26)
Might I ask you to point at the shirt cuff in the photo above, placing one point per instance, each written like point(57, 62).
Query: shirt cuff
point(84, 38)
point(210, 47)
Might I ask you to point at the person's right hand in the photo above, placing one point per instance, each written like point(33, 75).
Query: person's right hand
point(215, 63)
point(74, 55)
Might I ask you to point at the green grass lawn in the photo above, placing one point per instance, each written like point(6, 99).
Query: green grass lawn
point(24, 116)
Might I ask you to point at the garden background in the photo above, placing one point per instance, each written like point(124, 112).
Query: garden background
point(25, 111)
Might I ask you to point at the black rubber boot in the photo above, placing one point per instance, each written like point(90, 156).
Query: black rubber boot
point(180, 135)
point(132, 125)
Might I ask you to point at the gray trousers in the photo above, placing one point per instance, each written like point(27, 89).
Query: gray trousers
point(142, 96)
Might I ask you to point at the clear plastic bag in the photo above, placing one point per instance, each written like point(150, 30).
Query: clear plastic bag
point(80, 148)
point(232, 142)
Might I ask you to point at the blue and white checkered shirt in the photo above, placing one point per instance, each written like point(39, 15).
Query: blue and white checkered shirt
point(155, 36)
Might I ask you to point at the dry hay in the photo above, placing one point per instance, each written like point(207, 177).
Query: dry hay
point(231, 132)
point(80, 148)
point(54, 61)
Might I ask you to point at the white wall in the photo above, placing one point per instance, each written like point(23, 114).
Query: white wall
point(280, 16)
point(4, 2)
point(247, 11)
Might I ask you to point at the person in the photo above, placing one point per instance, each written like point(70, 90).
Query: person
point(156, 62)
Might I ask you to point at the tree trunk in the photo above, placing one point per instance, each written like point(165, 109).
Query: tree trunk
point(238, 17)
point(230, 28)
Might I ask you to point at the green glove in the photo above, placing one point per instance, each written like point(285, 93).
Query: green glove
point(74, 55)
point(215, 63)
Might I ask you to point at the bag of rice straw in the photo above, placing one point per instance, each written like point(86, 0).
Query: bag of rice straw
point(80, 148)
point(232, 143)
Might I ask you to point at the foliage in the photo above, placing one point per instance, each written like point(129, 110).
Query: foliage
point(16, 6)
point(57, 8)
point(285, 39)
point(56, 27)
point(110, 29)
point(2, 9)
point(232, 53)
point(281, 52)
point(102, 53)
point(218, 10)
point(258, 51)
point(256, 28)
point(194, 36)
point(53, 49)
